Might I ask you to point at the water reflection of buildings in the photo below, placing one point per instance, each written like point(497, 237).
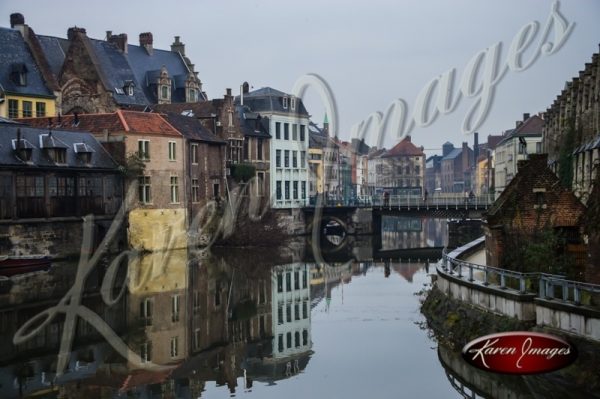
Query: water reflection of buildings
point(399, 232)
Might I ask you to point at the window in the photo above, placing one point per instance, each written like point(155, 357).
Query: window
point(146, 352)
point(538, 148)
point(297, 311)
point(235, 150)
point(13, 108)
point(30, 186)
point(144, 189)
point(294, 132)
point(288, 281)
point(172, 155)
point(230, 118)
point(304, 310)
point(194, 153)
point(293, 103)
point(164, 92)
point(304, 282)
point(280, 342)
point(246, 149)
point(278, 130)
point(146, 311)
point(58, 155)
point(129, 89)
point(174, 344)
point(192, 96)
point(285, 102)
point(197, 338)
point(286, 158)
point(417, 169)
point(296, 280)
point(289, 339)
point(303, 159)
point(175, 308)
point(303, 193)
point(304, 337)
point(61, 186)
point(288, 313)
point(278, 158)
point(295, 159)
point(295, 186)
point(27, 109)
point(261, 183)
point(287, 190)
point(278, 191)
point(259, 149)
point(144, 149)
point(174, 190)
point(195, 190)
point(196, 302)
point(286, 131)
point(279, 282)
point(302, 132)
point(280, 315)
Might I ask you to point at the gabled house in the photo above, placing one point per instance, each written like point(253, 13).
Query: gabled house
point(256, 152)
point(404, 168)
point(159, 218)
point(533, 208)
point(456, 167)
point(27, 85)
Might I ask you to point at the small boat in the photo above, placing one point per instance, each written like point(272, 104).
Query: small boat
point(12, 265)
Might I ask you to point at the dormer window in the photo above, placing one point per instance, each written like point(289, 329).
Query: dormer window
point(23, 149)
point(128, 87)
point(55, 149)
point(84, 152)
point(164, 92)
point(164, 86)
point(293, 103)
point(18, 74)
point(193, 96)
point(285, 102)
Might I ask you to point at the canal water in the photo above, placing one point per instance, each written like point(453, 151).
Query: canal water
point(233, 323)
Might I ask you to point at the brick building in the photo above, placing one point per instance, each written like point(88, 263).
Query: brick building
point(572, 127)
point(533, 202)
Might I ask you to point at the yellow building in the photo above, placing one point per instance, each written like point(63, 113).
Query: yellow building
point(27, 86)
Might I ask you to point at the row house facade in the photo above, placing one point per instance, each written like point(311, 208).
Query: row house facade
point(55, 174)
point(27, 85)
point(576, 108)
point(516, 145)
point(288, 127)
point(456, 166)
point(375, 167)
point(257, 152)
point(158, 219)
point(403, 171)
point(87, 75)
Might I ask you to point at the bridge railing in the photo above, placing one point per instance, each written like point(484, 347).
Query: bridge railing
point(543, 285)
point(438, 200)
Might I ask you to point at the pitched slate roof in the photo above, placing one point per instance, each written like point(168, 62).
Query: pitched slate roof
point(530, 128)
point(453, 154)
point(55, 49)
point(268, 99)
point(403, 148)
point(34, 137)
point(204, 108)
point(191, 128)
point(251, 123)
point(15, 55)
point(119, 121)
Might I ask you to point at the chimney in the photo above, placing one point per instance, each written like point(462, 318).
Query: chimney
point(475, 146)
point(228, 93)
point(178, 47)
point(118, 40)
point(525, 117)
point(108, 34)
point(146, 41)
point(408, 138)
point(245, 87)
point(16, 19)
point(72, 32)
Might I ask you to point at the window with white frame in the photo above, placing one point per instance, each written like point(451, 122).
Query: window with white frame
point(144, 189)
point(146, 352)
point(285, 102)
point(174, 346)
point(175, 308)
point(174, 189)
point(146, 311)
point(172, 154)
point(293, 103)
point(144, 150)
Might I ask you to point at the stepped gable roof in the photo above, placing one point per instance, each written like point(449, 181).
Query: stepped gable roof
point(38, 139)
point(15, 58)
point(403, 148)
point(535, 182)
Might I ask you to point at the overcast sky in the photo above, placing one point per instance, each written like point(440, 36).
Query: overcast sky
point(370, 52)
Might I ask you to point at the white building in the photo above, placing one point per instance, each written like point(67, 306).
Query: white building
point(289, 122)
point(291, 310)
point(525, 139)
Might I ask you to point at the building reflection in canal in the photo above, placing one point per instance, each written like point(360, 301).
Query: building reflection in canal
point(401, 232)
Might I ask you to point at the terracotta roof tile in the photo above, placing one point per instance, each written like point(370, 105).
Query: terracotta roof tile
point(404, 148)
